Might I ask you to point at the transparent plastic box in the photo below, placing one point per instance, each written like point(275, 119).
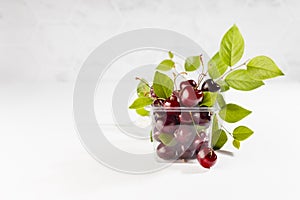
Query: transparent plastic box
point(180, 132)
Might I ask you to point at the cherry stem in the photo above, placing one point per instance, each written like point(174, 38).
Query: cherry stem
point(140, 79)
point(200, 78)
point(194, 123)
point(202, 74)
point(177, 74)
point(232, 69)
point(227, 130)
point(202, 63)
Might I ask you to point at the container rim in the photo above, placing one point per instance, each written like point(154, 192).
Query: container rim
point(179, 109)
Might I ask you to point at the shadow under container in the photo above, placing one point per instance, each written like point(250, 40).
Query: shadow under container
point(180, 132)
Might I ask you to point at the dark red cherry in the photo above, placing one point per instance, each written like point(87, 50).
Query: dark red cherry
point(158, 103)
point(202, 118)
point(165, 152)
point(167, 124)
point(199, 95)
point(191, 82)
point(207, 157)
point(185, 118)
point(190, 97)
point(188, 154)
point(210, 85)
point(171, 105)
point(171, 102)
point(184, 134)
point(200, 138)
point(152, 94)
point(201, 145)
point(180, 149)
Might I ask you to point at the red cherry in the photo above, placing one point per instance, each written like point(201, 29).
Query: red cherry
point(165, 152)
point(185, 118)
point(200, 141)
point(207, 157)
point(188, 154)
point(184, 134)
point(201, 118)
point(191, 82)
point(190, 97)
point(171, 102)
point(167, 124)
point(158, 103)
point(152, 94)
point(199, 95)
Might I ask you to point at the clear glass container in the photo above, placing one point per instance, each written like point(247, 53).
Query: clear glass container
point(180, 132)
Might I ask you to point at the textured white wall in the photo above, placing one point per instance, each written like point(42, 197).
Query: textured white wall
point(49, 40)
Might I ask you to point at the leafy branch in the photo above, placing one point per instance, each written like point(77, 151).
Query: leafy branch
point(224, 72)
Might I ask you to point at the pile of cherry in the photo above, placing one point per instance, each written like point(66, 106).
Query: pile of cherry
point(181, 125)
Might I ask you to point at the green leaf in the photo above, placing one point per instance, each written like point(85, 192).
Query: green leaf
point(219, 138)
point(216, 67)
point(220, 100)
point(224, 86)
point(233, 113)
point(236, 144)
point(166, 65)
point(143, 88)
point(263, 67)
point(240, 80)
point(242, 133)
point(142, 111)
point(192, 63)
point(171, 55)
point(162, 85)
point(232, 46)
point(209, 99)
point(151, 137)
point(141, 102)
point(167, 139)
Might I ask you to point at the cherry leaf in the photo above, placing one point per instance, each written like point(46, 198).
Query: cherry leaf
point(232, 46)
point(232, 113)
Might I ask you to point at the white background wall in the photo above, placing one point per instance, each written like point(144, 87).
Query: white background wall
point(42, 46)
point(49, 40)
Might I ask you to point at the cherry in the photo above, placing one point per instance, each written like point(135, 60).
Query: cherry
point(202, 118)
point(207, 157)
point(165, 152)
point(188, 154)
point(171, 102)
point(210, 85)
point(199, 141)
point(184, 134)
point(190, 97)
point(152, 94)
point(167, 123)
point(185, 118)
point(191, 82)
point(201, 145)
point(158, 103)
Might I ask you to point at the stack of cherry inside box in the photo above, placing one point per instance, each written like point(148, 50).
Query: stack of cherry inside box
point(181, 124)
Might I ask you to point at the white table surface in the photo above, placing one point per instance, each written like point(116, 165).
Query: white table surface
point(42, 157)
